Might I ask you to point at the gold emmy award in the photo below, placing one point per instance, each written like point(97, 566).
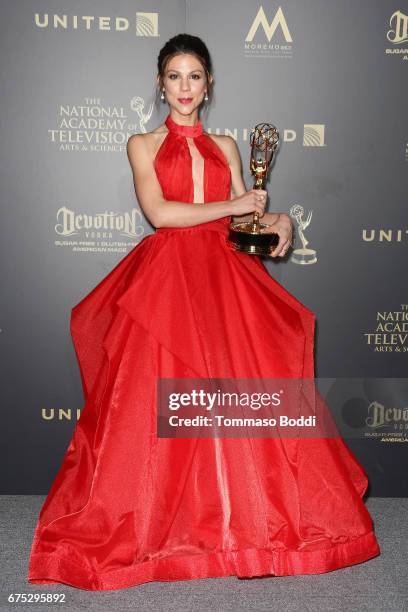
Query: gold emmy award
point(246, 236)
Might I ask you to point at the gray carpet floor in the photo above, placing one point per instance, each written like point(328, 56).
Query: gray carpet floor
point(380, 584)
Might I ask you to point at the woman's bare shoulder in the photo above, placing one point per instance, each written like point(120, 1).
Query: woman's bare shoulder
point(148, 141)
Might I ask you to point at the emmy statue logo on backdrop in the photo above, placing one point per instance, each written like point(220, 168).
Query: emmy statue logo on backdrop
point(247, 236)
point(137, 104)
point(304, 255)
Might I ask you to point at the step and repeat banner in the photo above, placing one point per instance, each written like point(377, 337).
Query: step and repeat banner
point(78, 78)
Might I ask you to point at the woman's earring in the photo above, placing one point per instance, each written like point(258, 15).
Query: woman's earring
point(162, 95)
point(206, 97)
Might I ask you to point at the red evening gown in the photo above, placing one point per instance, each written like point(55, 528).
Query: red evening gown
point(127, 507)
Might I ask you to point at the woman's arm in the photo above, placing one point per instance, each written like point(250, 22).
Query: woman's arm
point(161, 212)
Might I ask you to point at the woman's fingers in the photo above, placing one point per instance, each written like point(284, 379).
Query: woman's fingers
point(260, 201)
point(284, 229)
point(281, 248)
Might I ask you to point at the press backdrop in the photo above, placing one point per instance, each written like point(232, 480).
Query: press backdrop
point(78, 78)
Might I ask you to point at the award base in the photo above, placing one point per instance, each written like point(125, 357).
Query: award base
point(241, 237)
point(304, 256)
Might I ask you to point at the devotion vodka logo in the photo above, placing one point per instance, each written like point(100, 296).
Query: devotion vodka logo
point(398, 35)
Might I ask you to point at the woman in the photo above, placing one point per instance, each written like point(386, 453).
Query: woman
point(128, 506)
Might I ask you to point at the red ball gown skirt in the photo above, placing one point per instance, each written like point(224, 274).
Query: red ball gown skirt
point(127, 507)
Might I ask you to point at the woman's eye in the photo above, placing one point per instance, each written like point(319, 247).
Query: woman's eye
point(194, 76)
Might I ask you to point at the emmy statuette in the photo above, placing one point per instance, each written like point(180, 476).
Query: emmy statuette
point(246, 236)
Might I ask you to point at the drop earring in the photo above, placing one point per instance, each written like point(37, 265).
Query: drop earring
point(162, 95)
point(206, 97)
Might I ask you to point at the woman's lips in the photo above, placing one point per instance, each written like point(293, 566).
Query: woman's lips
point(185, 100)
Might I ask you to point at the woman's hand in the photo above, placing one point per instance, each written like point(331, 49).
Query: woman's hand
point(249, 202)
point(283, 226)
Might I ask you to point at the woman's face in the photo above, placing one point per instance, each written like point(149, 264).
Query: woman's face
point(184, 83)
